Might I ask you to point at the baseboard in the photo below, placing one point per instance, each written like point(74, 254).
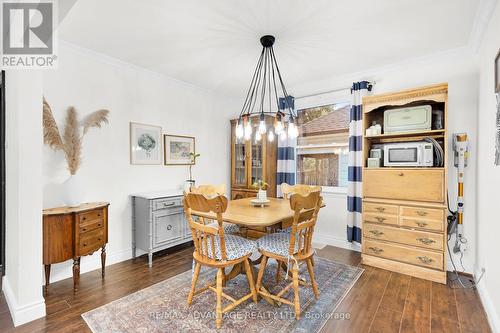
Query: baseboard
point(334, 241)
point(489, 308)
point(88, 264)
point(25, 313)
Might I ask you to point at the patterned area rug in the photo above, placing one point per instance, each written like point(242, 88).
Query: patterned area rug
point(163, 307)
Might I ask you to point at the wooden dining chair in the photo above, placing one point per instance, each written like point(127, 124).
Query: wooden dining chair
point(288, 190)
point(215, 249)
point(292, 248)
point(211, 191)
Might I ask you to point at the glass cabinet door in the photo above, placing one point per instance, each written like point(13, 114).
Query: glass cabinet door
point(257, 162)
point(240, 163)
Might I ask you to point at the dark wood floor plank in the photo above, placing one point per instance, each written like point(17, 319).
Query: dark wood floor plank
point(369, 306)
point(470, 311)
point(363, 299)
point(443, 303)
point(417, 310)
point(386, 321)
point(395, 294)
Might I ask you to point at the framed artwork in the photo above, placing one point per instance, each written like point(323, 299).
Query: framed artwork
point(497, 73)
point(177, 149)
point(145, 144)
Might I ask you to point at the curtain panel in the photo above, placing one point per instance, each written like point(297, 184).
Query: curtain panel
point(355, 161)
point(286, 165)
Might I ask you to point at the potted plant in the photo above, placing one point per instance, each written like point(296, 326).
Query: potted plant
point(191, 182)
point(70, 142)
point(261, 185)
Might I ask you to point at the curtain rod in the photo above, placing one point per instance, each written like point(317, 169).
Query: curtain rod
point(330, 91)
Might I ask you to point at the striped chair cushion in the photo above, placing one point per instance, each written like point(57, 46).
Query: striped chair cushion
point(277, 243)
point(236, 247)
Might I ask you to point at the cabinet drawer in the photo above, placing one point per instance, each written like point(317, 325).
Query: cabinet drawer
point(380, 218)
point(434, 225)
point(405, 254)
point(91, 241)
point(168, 226)
point(404, 236)
point(167, 203)
point(370, 207)
point(91, 225)
point(90, 215)
point(419, 185)
point(422, 213)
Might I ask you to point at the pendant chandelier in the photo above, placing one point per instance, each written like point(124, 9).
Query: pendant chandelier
point(262, 99)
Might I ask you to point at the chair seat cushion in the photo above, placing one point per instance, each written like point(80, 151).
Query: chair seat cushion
point(277, 243)
point(236, 247)
point(229, 228)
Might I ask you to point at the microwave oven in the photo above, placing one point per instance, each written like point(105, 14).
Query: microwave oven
point(408, 119)
point(409, 154)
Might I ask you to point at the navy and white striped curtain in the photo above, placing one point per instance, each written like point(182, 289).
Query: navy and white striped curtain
point(354, 194)
point(286, 165)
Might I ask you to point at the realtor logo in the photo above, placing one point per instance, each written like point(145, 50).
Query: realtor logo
point(28, 34)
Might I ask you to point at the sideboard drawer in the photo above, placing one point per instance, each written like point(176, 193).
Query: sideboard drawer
point(434, 225)
point(91, 241)
point(90, 215)
point(406, 254)
point(370, 207)
point(422, 213)
point(91, 225)
point(380, 218)
point(167, 203)
point(168, 226)
point(417, 185)
point(404, 236)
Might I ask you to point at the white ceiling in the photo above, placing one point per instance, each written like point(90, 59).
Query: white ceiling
point(215, 43)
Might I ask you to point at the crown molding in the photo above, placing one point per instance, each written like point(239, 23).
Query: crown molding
point(481, 20)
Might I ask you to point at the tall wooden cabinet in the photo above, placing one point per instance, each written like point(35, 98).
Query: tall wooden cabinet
point(404, 209)
point(252, 161)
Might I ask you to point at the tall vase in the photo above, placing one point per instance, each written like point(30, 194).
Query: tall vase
point(73, 191)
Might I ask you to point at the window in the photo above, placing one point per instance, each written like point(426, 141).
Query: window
point(322, 146)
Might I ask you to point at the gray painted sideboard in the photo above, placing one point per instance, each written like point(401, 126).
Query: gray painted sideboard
point(158, 222)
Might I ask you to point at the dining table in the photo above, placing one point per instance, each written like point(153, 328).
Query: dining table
point(256, 220)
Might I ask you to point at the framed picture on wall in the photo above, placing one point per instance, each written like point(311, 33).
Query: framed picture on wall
point(145, 144)
point(177, 149)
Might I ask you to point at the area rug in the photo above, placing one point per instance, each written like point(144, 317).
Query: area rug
point(163, 307)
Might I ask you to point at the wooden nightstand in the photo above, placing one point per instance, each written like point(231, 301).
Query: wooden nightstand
point(73, 232)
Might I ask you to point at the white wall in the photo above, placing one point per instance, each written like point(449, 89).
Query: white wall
point(89, 82)
point(455, 67)
point(22, 284)
point(488, 176)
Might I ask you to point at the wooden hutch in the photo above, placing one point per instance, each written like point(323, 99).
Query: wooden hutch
point(252, 161)
point(404, 209)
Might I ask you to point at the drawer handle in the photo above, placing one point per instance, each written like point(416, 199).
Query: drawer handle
point(380, 219)
point(168, 204)
point(84, 218)
point(421, 213)
point(421, 224)
point(380, 209)
point(84, 244)
point(98, 215)
point(425, 260)
point(84, 229)
point(376, 249)
point(98, 224)
point(426, 241)
point(169, 227)
point(401, 174)
point(376, 233)
point(98, 239)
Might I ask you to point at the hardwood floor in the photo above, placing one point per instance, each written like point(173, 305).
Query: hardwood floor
point(380, 301)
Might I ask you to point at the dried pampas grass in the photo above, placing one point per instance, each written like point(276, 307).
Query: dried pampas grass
point(71, 141)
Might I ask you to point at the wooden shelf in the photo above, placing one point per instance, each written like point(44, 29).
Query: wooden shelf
point(406, 134)
point(407, 168)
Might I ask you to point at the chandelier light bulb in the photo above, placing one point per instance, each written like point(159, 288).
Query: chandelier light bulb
point(291, 130)
point(282, 136)
point(262, 127)
point(278, 126)
point(248, 130)
point(239, 130)
point(270, 136)
point(258, 136)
